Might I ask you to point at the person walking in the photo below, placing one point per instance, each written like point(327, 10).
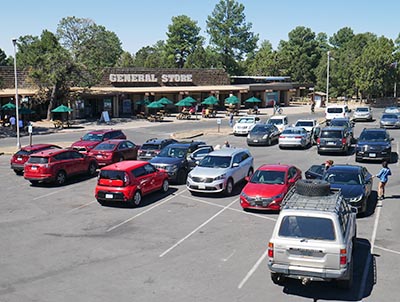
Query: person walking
point(12, 122)
point(231, 119)
point(383, 177)
point(226, 145)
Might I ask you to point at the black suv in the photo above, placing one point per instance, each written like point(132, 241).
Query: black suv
point(152, 147)
point(374, 144)
point(344, 122)
point(174, 159)
point(334, 139)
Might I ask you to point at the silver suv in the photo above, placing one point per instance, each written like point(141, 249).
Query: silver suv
point(314, 236)
point(220, 170)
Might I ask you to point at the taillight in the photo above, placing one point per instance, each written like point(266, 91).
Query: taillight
point(343, 141)
point(281, 136)
point(126, 179)
point(298, 137)
point(270, 250)
point(343, 257)
point(318, 140)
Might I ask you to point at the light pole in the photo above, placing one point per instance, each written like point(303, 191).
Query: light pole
point(16, 94)
point(327, 78)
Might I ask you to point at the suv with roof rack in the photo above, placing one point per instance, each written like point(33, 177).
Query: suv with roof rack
point(153, 146)
point(300, 250)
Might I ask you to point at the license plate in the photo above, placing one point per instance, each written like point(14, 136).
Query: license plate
point(148, 154)
point(255, 140)
point(19, 158)
point(99, 155)
point(202, 187)
point(372, 155)
point(109, 196)
point(331, 143)
point(34, 168)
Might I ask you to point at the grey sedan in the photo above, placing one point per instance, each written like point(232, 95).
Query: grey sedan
point(294, 137)
point(263, 134)
point(389, 120)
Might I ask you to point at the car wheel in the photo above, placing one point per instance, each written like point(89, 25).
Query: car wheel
point(165, 186)
point(277, 278)
point(92, 169)
point(229, 187)
point(61, 177)
point(19, 172)
point(137, 199)
point(269, 141)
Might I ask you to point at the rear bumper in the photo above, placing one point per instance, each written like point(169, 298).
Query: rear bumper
point(316, 274)
point(17, 167)
point(111, 196)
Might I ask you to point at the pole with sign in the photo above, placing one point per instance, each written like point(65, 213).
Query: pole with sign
point(218, 123)
point(30, 130)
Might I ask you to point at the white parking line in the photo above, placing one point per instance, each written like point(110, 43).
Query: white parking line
point(253, 269)
point(387, 250)
point(145, 211)
point(232, 209)
point(378, 213)
point(196, 229)
point(82, 206)
point(51, 193)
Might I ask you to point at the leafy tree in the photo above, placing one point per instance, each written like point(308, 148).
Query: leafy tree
point(125, 60)
point(203, 58)
point(4, 61)
point(151, 56)
point(264, 61)
point(230, 35)
point(343, 36)
point(183, 38)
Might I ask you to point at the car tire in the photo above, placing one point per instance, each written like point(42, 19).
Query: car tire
point(92, 169)
point(61, 178)
point(19, 172)
point(229, 187)
point(165, 186)
point(269, 141)
point(136, 199)
point(278, 279)
point(312, 187)
point(34, 182)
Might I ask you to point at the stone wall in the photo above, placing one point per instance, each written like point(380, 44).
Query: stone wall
point(7, 78)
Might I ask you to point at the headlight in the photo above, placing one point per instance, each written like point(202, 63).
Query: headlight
point(265, 136)
point(248, 135)
point(171, 168)
point(277, 196)
point(244, 195)
point(357, 198)
point(189, 176)
point(223, 176)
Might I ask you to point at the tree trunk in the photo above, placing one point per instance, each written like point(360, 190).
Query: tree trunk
point(51, 103)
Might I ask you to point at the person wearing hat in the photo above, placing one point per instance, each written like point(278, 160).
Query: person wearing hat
point(328, 164)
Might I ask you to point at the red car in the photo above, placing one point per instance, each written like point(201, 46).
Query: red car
point(268, 186)
point(21, 157)
point(114, 150)
point(128, 181)
point(93, 138)
point(57, 165)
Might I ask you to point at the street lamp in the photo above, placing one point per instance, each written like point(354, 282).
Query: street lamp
point(327, 78)
point(16, 93)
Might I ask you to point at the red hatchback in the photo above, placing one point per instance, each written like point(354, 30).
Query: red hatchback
point(128, 181)
point(93, 138)
point(268, 186)
point(57, 165)
point(114, 150)
point(21, 157)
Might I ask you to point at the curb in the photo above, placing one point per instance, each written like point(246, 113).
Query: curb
point(179, 136)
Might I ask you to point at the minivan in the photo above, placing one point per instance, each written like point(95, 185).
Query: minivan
point(336, 111)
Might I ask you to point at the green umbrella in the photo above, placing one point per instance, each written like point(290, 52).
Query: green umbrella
point(25, 110)
point(8, 106)
point(190, 99)
point(253, 100)
point(165, 101)
point(61, 109)
point(232, 100)
point(155, 105)
point(211, 100)
point(184, 103)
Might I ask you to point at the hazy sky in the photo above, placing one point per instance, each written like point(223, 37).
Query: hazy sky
point(143, 23)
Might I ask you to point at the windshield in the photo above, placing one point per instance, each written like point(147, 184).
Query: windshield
point(261, 129)
point(245, 120)
point(304, 227)
point(389, 117)
point(339, 123)
point(372, 136)
point(105, 146)
point(177, 152)
point(331, 134)
point(268, 177)
point(362, 109)
point(305, 124)
point(343, 178)
point(211, 161)
point(275, 121)
point(94, 137)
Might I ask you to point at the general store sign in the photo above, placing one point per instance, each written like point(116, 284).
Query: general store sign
point(149, 78)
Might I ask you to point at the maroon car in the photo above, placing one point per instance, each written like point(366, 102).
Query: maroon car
point(21, 156)
point(57, 165)
point(93, 138)
point(114, 150)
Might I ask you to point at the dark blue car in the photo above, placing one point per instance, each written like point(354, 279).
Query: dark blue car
point(355, 182)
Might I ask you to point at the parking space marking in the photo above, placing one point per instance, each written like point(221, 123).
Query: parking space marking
point(82, 206)
point(375, 229)
point(198, 228)
point(253, 269)
point(232, 209)
point(387, 250)
point(51, 193)
point(145, 211)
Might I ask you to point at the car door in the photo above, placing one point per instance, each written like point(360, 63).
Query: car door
point(131, 150)
point(79, 162)
point(315, 172)
point(274, 133)
point(143, 179)
point(155, 178)
point(198, 155)
point(367, 181)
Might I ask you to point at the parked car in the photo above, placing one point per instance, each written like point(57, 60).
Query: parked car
point(362, 114)
point(263, 134)
point(294, 137)
point(314, 236)
point(129, 181)
point(114, 150)
point(56, 165)
point(220, 171)
point(334, 139)
point(152, 147)
point(392, 109)
point(346, 123)
point(374, 144)
point(308, 124)
point(174, 159)
point(19, 158)
point(196, 156)
point(389, 120)
point(93, 138)
point(336, 111)
point(280, 121)
point(267, 187)
point(245, 124)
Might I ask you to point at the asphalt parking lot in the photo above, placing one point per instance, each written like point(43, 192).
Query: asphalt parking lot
point(59, 244)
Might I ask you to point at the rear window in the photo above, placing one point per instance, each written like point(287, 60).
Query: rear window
point(335, 110)
point(23, 152)
point(151, 147)
point(112, 174)
point(38, 160)
point(305, 227)
point(331, 134)
point(95, 137)
point(105, 146)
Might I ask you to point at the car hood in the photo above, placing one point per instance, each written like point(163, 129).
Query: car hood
point(166, 160)
point(263, 190)
point(349, 191)
point(207, 172)
point(85, 144)
point(258, 134)
point(369, 143)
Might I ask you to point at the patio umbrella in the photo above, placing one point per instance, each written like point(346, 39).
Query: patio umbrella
point(184, 103)
point(165, 101)
point(25, 110)
point(8, 106)
point(211, 100)
point(232, 100)
point(62, 109)
point(155, 104)
point(253, 100)
point(190, 99)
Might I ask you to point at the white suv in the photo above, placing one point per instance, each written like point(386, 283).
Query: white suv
point(314, 236)
point(245, 124)
point(337, 111)
point(280, 121)
point(220, 170)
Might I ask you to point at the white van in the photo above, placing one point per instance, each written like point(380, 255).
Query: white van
point(337, 111)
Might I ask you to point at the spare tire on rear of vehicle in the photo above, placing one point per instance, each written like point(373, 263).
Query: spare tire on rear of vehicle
point(313, 187)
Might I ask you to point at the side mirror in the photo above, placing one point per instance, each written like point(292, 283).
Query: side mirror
point(235, 165)
point(197, 162)
point(291, 181)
